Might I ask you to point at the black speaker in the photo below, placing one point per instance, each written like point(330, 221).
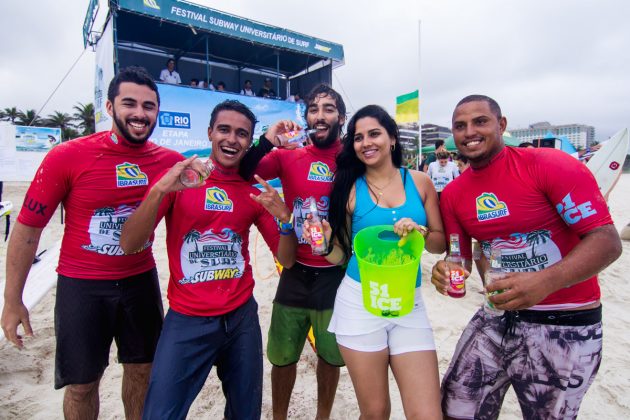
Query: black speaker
point(545, 143)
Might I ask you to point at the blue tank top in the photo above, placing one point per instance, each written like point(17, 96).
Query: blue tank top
point(367, 213)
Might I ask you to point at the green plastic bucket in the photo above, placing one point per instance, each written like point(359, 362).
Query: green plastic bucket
point(388, 271)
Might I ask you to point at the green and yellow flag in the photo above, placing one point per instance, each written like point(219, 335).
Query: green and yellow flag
point(407, 108)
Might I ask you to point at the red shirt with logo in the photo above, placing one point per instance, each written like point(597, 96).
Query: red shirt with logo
point(534, 204)
point(304, 172)
point(207, 241)
point(100, 179)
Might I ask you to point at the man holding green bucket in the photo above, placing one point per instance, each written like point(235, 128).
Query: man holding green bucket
point(377, 323)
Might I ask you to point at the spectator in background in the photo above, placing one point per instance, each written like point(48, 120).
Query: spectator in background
point(194, 83)
point(169, 75)
point(462, 163)
point(439, 145)
point(247, 88)
point(266, 91)
point(295, 98)
point(221, 86)
point(526, 145)
point(442, 172)
point(205, 84)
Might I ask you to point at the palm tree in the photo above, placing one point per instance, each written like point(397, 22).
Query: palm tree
point(537, 237)
point(84, 115)
point(63, 121)
point(193, 236)
point(29, 117)
point(9, 114)
point(59, 119)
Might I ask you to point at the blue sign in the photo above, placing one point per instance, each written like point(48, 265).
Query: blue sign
point(36, 139)
point(174, 119)
point(183, 125)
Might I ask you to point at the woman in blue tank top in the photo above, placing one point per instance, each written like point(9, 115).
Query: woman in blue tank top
point(371, 188)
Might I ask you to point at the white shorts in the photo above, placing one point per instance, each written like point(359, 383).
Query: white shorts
point(357, 329)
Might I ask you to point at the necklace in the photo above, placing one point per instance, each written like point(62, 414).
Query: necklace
point(379, 190)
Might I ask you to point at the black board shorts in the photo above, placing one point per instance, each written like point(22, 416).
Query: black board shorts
point(89, 314)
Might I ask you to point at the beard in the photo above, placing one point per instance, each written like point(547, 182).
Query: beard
point(333, 134)
point(122, 128)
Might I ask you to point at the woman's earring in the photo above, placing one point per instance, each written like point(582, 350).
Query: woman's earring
point(393, 147)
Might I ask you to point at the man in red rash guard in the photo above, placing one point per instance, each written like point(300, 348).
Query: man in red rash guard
point(102, 294)
point(213, 317)
point(306, 292)
point(543, 210)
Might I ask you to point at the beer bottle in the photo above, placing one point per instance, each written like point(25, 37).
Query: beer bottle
point(318, 240)
point(457, 286)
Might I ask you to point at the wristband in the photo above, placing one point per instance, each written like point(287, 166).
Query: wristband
point(285, 228)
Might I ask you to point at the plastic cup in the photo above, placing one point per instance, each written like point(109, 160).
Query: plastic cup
point(388, 271)
point(488, 306)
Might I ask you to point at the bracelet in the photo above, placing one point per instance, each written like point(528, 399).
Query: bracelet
point(286, 228)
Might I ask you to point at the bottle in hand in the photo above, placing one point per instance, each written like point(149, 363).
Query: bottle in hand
point(457, 286)
point(319, 244)
point(191, 177)
point(299, 137)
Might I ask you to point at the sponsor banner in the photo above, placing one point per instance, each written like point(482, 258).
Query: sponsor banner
point(182, 123)
point(103, 75)
point(23, 148)
point(407, 117)
point(233, 26)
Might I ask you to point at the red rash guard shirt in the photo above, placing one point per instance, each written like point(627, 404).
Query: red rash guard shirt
point(534, 204)
point(100, 179)
point(207, 239)
point(305, 172)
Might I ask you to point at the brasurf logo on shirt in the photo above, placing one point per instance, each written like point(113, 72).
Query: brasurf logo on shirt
point(218, 200)
point(320, 172)
point(130, 175)
point(489, 207)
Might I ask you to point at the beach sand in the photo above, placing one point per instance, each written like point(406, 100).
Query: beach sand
point(26, 376)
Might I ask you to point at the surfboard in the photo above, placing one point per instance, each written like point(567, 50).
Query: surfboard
point(607, 163)
point(40, 280)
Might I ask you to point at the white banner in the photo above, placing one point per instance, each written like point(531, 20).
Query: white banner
point(22, 150)
point(104, 74)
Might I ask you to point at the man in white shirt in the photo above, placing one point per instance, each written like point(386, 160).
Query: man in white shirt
point(247, 89)
point(442, 171)
point(169, 75)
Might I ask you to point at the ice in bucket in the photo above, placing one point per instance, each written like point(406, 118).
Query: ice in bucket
point(388, 270)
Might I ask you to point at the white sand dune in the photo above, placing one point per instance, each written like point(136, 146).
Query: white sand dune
point(26, 377)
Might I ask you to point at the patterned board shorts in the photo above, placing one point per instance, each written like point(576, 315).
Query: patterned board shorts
point(550, 367)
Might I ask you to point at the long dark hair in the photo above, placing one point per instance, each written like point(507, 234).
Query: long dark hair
point(350, 168)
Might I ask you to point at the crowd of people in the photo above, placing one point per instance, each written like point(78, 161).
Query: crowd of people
point(171, 76)
point(546, 345)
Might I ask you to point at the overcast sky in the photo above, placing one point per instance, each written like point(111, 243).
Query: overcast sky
point(562, 61)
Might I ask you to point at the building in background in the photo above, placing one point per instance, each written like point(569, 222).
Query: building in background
point(432, 132)
point(579, 135)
